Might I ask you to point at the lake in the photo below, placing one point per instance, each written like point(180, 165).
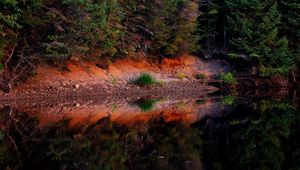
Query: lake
point(256, 130)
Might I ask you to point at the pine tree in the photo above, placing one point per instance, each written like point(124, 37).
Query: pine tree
point(253, 27)
point(15, 17)
point(173, 23)
point(162, 18)
point(185, 39)
point(95, 26)
point(208, 25)
point(290, 12)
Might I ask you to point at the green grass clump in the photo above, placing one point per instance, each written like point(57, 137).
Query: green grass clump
point(145, 80)
point(146, 104)
point(200, 76)
point(228, 78)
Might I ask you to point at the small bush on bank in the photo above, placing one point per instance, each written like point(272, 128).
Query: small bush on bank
point(145, 80)
point(228, 78)
point(146, 104)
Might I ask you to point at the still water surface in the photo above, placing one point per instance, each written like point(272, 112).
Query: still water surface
point(208, 132)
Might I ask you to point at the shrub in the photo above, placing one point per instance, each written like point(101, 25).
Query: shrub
point(228, 78)
point(145, 80)
point(200, 76)
point(146, 104)
point(271, 71)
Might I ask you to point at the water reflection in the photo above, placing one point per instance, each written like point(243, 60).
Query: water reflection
point(202, 133)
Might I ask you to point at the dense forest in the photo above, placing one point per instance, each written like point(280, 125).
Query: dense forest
point(264, 33)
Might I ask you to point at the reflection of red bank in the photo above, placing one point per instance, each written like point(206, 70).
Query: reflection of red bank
point(123, 112)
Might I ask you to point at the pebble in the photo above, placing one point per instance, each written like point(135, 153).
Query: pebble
point(77, 86)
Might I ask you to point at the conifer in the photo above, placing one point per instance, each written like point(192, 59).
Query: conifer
point(254, 27)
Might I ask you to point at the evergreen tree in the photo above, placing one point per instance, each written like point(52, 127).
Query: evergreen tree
point(211, 26)
point(94, 27)
point(125, 27)
point(184, 36)
point(290, 12)
point(253, 27)
point(173, 23)
point(15, 15)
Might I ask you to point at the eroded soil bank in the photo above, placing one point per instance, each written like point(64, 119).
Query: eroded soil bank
point(85, 78)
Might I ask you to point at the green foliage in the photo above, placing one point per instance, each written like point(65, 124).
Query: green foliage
point(173, 23)
point(268, 31)
point(227, 78)
point(290, 17)
point(115, 28)
point(207, 23)
point(146, 104)
point(254, 27)
point(145, 80)
point(290, 13)
point(232, 56)
point(261, 138)
point(16, 16)
point(267, 71)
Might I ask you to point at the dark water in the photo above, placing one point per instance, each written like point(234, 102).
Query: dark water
point(219, 133)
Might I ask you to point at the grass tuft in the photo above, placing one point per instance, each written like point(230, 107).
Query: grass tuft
point(228, 78)
point(146, 104)
point(145, 80)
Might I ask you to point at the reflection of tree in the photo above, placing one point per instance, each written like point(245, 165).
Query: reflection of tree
point(103, 145)
point(173, 146)
point(263, 137)
point(257, 142)
point(7, 156)
point(260, 140)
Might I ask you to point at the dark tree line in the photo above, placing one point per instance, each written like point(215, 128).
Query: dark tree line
point(264, 32)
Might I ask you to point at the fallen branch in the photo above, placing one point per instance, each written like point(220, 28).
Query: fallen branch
point(11, 54)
